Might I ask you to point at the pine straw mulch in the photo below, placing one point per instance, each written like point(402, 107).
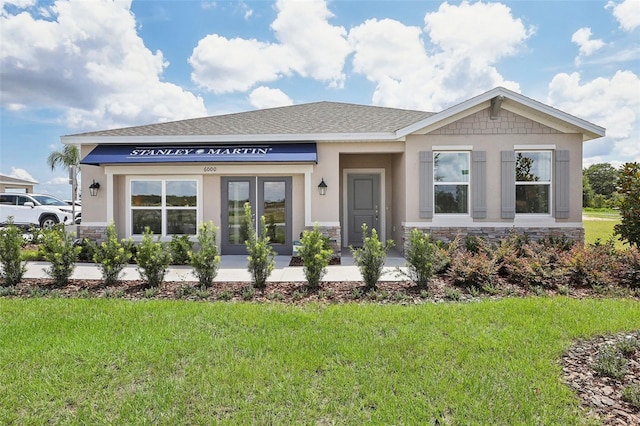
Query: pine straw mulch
point(600, 396)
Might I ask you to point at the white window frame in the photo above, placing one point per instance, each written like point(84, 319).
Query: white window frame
point(549, 183)
point(163, 206)
point(468, 184)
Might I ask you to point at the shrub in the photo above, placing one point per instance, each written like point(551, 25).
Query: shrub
point(610, 363)
point(13, 268)
point(473, 269)
point(206, 260)
point(180, 247)
point(629, 189)
point(628, 346)
point(590, 265)
point(631, 395)
point(423, 258)
point(112, 255)
point(87, 250)
point(261, 254)
point(60, 250)
point(628, 272)
point(315, 254)
point(533, 265)
point(152, 258)
point(371, 256)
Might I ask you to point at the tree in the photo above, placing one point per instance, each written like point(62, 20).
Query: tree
point(69, 158)
point(629, 226)
point(603, 178)
point(587, 192)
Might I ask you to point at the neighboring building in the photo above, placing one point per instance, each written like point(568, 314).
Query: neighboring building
point(493, 163)
point(12, 184)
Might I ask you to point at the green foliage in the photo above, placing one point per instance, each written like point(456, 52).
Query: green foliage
point(629, 226)
point(423, 258)
point(180, 247)
point(59, 248)
point(206, 260)
point(602, 178)
point(87, 250)
point(13, 268)
point(587, 192)
point(261, 255)
point(152, 258)
point(112, 255)
point(371, 256)
point(628, 271)
point(610, 363)
point(628, 346)
point(631, 395)
point(315, 254)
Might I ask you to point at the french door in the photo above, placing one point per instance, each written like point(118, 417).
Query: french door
point(269, 197)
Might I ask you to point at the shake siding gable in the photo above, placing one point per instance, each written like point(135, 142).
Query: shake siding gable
point(506, 123)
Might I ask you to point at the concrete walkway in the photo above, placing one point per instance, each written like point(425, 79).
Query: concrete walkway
point(233, 269)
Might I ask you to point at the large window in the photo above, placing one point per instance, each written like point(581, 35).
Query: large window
point(167, 207)
point(451, 182)
point(533, 182)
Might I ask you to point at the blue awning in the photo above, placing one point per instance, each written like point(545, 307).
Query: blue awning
point(264, 153)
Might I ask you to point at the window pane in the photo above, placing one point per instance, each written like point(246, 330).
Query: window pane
point(451, 167)
point(274, 211)
point(238, 195)
point(141, 218)
point(181, 193)
point(532, 198)
point(146, 193)
point(533, 166)
point(451, 198)
point(181, 222)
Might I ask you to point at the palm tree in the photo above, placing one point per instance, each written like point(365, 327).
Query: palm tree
point(69, 158)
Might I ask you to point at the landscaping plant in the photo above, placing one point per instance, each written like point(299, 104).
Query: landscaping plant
point(629, 189)
point(371, 256)
point(261, 255)
point(112, 255)
point(468, 269)
point(180, 246)
point(13, 268)
point(59, 249)
point(315, 254)
point(423, 258)
point(206, 260)
point(152, 258)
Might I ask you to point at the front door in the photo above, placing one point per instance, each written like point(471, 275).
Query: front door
point(269, 197)
point(363, 206)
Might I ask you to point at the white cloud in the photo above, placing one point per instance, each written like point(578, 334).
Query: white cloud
point(612, 103)
point(307, 45)
point(587, 46)
point(627, 13)
point(86, 58)
point(21, 174)
point(265, 97)
point(465, 43)
point(58, 181)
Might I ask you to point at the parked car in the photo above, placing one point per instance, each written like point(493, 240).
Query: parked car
point(40, 210)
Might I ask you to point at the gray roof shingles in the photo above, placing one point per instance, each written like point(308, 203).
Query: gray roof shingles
point(311, 118)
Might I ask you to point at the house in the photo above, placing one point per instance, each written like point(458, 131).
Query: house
point(12, 184)
point(496, 162)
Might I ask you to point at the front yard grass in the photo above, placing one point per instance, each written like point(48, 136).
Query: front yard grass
point(598, 225)
point(101, 361)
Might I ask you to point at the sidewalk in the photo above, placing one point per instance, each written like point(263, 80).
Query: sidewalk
point(231, 269)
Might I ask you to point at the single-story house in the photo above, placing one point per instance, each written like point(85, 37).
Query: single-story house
point(13, 184)
point(496, 162)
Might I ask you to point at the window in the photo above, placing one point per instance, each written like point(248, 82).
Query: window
point(451, 182)
point(167, 207)
point(533, 182)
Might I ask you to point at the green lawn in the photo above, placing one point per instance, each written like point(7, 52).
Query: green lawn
point(599, 223)
point(101, 361)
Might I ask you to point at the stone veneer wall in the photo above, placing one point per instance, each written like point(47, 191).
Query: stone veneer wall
point(334, 234)
point(506, 123)
point(97, 234)
point(495, 234)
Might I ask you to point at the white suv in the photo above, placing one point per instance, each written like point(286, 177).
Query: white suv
point(34, 209)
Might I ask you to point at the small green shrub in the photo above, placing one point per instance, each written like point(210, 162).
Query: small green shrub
point(206, 260)
point(248, 293)
point(423, 258)
point(180, 247)
point(315, 254)
point(452, 294)
point(261, 255)
point(225, 295)
point(151, 292)
point(469, 269)
point(276, 297)
point(298, 295)
point(8, 291)
point(60, 250)
point(13, 268)
point(628, 346)
point(153, 259)
point(371, 256)
point(631, 395)
point(112, 255)
point(87, 250)
point(112, 293)
point(610, 363)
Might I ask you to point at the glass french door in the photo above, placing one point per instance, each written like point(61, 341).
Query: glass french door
point(269, 197)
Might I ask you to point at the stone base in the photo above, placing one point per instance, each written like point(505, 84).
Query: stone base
point(96, 234)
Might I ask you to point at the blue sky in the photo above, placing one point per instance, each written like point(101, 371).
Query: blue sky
point(71, 66)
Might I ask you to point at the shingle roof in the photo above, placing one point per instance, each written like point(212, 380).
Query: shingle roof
point(311, 118)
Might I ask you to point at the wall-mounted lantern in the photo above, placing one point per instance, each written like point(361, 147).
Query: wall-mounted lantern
point(322, 188)
point(93, 188)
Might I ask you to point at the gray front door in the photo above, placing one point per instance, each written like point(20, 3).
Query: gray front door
point(363, 194)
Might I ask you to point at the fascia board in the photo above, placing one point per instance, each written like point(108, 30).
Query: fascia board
point(178, 139)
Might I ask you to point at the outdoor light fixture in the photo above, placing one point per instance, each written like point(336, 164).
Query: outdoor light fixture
point(322, 187)
point(93, 188)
